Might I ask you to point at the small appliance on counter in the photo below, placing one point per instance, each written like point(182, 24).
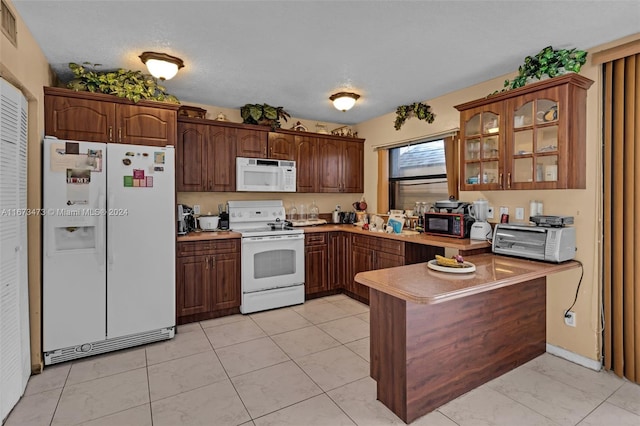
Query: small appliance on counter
point(186, 220)
point(550, 244)
point(480, 229)
point(208, 222)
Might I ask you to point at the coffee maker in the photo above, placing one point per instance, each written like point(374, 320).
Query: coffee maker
point(186, 221)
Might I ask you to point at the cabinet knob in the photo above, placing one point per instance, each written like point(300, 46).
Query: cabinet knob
point(206, 263)
point(110, 133)
point(509, 180)
point(501, 181)
point(120, 134)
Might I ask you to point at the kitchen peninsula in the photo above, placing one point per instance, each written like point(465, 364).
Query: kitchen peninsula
point(437, 335)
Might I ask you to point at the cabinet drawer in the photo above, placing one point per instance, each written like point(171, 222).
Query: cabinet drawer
point(208, 247)
point(319, 238)
point(379, 244)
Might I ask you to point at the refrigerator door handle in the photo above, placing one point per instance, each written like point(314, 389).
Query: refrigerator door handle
point(101, 227)
point(110, 205)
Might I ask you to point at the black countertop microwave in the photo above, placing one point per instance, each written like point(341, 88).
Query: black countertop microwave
point(457, 225)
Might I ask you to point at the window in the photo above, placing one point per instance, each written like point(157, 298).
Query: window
point(417, 173)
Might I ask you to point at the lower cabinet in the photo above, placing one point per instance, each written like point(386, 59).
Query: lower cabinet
point(339, 260)
point(207, 279)
point(370, 253)
point(316, 262)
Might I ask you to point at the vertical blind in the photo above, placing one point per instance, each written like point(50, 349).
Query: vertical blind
point(621, 225)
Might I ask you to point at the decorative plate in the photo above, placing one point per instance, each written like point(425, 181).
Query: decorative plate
point(468, 267)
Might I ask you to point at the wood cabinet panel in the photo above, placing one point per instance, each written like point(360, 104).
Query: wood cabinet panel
point(221, 159)
point(281, 146)
point(191, 163)
point(97, 117)
point(329, 165)
point(316, 258)
point(207, 279)
point(140, 125)
point(353, 167)
point(205, 157)
point(192, 292)
point(251, 143)
point(340, 165)
point(306, 157)
point(79, 119)
point(340, 274)
point(225, 290)
point(532, 137)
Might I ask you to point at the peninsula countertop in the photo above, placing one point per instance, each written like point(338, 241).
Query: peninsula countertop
point(419, 284)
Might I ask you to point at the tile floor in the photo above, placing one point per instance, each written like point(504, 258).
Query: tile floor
point(303, 365)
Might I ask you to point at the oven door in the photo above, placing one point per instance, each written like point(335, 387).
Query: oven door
point(272, 261)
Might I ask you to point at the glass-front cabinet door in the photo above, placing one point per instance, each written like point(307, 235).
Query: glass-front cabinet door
point(481, 149)
point(532, 157)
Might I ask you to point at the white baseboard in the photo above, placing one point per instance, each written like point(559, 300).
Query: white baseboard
point(573, 357)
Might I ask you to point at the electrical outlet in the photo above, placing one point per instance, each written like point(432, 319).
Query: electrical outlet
point(196, 209)
point(504, 210)
point(490, 212)
point(570, 318)
point(519, 213)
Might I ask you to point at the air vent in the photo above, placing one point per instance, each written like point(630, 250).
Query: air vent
point(9, 24)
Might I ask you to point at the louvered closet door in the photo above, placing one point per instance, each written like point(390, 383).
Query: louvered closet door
point(14, 308)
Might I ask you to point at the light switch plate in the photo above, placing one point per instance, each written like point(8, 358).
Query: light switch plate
point(519, 213)
point(504, 210)
point(490, 212)
point(196, 209)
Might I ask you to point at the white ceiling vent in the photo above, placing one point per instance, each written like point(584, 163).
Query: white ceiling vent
point(9, 24)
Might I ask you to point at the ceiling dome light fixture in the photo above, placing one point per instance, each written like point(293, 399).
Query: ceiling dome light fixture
point(161, 65)
point(344, 100)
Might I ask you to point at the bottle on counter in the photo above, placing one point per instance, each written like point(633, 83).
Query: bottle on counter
point(314, 211)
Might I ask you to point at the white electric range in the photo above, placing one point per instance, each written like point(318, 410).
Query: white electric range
point(272, 255)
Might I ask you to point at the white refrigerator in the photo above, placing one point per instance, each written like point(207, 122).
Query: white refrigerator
point(108, 279)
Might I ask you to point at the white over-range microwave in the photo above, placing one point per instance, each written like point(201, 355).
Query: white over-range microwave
point(265, 175)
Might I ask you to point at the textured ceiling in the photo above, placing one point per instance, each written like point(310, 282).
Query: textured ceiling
point(295, 54)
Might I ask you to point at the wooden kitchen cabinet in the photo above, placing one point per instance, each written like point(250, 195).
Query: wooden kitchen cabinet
point(205, 156)
point(252, 143)
point(316, 262)
point(370, 253)
point(96, 117)
point(341, 165)
point(281, 146)
point(340, 275)
point(207, 279)
point(306, 157)
point(532, 137)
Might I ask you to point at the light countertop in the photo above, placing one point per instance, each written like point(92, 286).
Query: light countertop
point(419, 284)
point(430, 240)
point(207, 235)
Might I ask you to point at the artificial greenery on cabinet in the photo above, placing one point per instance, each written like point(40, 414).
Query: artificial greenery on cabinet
point(132, 85)
point(549, 62)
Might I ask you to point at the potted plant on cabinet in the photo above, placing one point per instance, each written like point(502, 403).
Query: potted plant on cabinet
point(264, 114)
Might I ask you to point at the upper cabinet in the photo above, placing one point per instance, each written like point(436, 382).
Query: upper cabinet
point(205, 156)
point(281, 146)
point(252, 143)
point(341, 165)
point(532, 137)
point(97, 117)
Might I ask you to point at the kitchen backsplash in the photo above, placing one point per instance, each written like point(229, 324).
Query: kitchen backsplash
point(209, 201)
